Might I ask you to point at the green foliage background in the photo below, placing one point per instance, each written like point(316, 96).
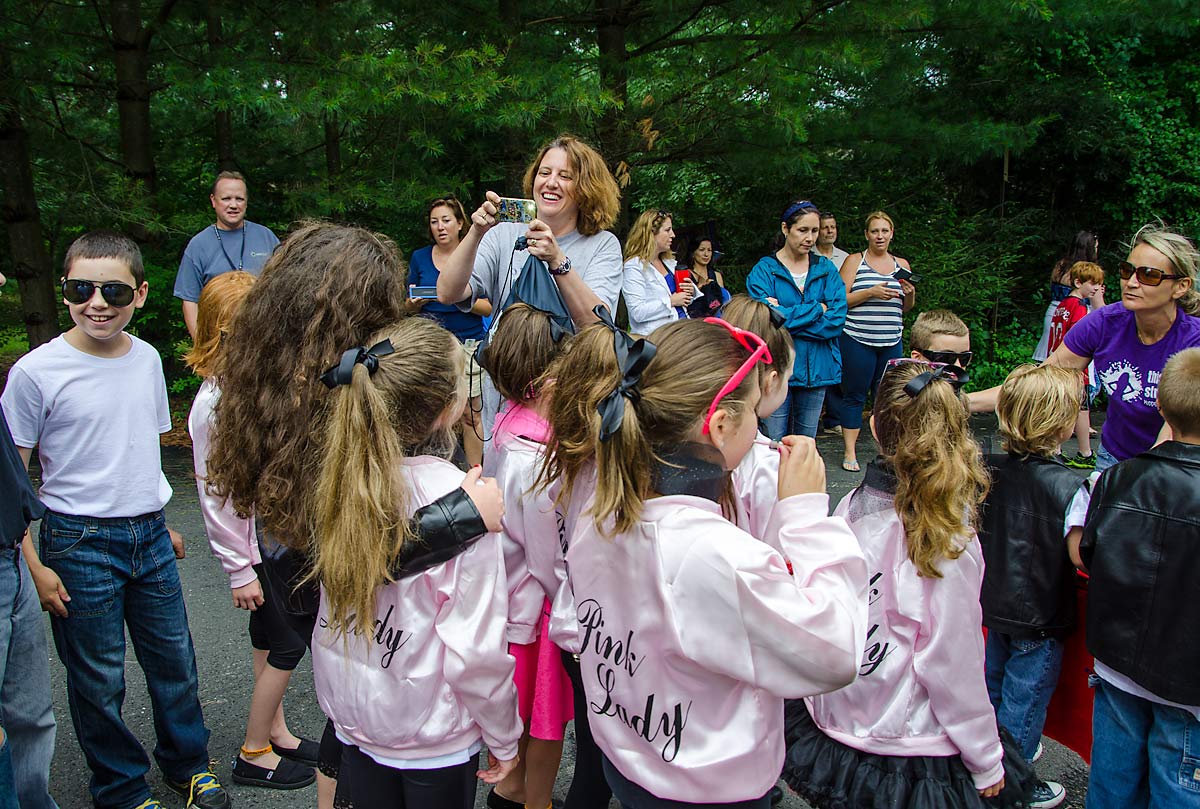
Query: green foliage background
point(990, 130)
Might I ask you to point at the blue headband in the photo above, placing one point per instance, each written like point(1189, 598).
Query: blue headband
point(795, 207)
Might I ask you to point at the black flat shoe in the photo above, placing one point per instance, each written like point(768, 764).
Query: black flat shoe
point(286, 775)
point(304, 753)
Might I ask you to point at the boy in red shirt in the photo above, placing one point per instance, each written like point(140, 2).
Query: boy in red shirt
point(1086, 278)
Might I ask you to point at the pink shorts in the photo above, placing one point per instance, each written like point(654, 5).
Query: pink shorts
point(544, 696)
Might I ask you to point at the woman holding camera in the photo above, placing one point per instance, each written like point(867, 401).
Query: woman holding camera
point(877, 294)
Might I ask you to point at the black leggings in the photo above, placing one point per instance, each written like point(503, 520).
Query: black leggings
point(589, 789)
point(364, 783)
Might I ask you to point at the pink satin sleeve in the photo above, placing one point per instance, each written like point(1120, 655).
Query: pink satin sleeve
point(756, 485)
point(735, 607)
point(948, 662)
point(523, 528)
point(470, 622)
point(231, 538)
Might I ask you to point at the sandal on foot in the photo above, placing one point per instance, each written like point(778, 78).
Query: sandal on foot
point(850, 466)
point(286, 775)
point(305, 753)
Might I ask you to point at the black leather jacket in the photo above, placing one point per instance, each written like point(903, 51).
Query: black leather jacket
point(446, 527)
point(1028, 581)
point(1141, 546)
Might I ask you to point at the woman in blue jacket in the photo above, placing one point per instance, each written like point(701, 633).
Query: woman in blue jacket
point(805, 289)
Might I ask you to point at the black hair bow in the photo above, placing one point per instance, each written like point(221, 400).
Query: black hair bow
point(632, 358)
point(956, 376)
point(343, 372)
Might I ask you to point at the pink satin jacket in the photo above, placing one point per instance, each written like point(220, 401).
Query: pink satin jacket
point(432, 674)
point(231, 538)
point(920, 689)
point(756, 489)
point(693, 633)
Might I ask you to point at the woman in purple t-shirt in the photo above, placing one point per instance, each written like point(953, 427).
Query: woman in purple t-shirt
point(1131, 340)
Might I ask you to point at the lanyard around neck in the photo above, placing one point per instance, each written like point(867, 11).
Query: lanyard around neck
point(241, 257)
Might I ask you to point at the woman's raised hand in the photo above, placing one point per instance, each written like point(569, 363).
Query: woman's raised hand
point(485, 215)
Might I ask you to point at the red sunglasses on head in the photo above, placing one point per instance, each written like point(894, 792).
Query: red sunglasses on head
point(758, 353)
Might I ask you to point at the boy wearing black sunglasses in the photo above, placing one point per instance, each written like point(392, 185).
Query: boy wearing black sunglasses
point(94, 401)
point(939, 335)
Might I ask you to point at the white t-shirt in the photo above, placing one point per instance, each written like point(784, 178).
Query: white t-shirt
point(95, 422)
point(800, 279)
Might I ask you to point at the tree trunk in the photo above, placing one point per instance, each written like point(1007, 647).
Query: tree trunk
point(131, 55)
point(222, 119)
point(31, 263)
point(614, 77)
point(333, 147)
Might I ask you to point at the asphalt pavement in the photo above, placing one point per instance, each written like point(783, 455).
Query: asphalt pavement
point(226, 681)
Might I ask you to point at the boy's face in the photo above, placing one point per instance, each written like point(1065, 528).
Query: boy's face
point(944, 343)
point(96, 318)
point(1088, 288)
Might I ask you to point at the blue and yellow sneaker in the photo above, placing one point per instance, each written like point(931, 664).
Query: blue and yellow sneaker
point(202, 790)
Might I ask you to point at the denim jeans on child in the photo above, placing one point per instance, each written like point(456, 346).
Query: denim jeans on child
point(798, 415)
point(1144, 755)
point(1021, 676)
point(1104, 459)
point(25, 712)
point(122, 572)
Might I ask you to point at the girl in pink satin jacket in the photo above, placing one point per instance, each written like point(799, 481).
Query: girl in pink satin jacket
point(916, 729)
point(410, 660)
point(692, 631)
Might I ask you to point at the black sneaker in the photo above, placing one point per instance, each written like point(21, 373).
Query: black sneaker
point(286, 775)
point(497, 801)
point(776, 795)
point(1046, 795)
point(202, 790)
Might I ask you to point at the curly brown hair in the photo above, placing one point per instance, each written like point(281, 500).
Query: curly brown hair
point(327, 287)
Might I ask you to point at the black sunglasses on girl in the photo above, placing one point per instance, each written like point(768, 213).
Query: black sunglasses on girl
point(1147, 276)
point(77, 290)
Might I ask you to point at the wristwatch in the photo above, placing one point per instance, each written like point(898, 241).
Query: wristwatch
point(562, 269)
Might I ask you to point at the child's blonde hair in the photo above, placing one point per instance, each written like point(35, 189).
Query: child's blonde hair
point(932, 323)
point(1038, 402)
point(219, 302)
point(525, 342)
point(755, 316)
point(363, 506)
point(940, 478)
point(694, 360)
point(1086, 272)
point(1179, 392)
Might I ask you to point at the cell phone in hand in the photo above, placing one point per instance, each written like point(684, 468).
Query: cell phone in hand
point(905, 274)
point(512, 209)
point(417, 293)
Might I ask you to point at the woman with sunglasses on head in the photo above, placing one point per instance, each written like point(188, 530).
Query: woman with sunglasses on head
point(1131, 340)
point(648, 279)
point(692, 631)
point(877, 300)
point(916, 728)
point(803, 286)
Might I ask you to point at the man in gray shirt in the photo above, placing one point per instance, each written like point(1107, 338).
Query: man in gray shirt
point(232, 243)
point(826, 237)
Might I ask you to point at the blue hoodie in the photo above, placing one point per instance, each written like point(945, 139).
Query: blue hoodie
point(815, 332)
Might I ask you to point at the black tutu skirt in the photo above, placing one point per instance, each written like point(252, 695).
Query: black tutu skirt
point(830, 775)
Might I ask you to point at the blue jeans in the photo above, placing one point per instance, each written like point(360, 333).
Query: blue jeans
point(119, 573)
point(1104, 459)
point(8, 790)
point(25, 712)
point(1021, 677)
point(798, 415)
point(862, 366)
point(1143, 754)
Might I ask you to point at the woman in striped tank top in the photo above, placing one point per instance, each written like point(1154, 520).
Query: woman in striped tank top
point(877, 302)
